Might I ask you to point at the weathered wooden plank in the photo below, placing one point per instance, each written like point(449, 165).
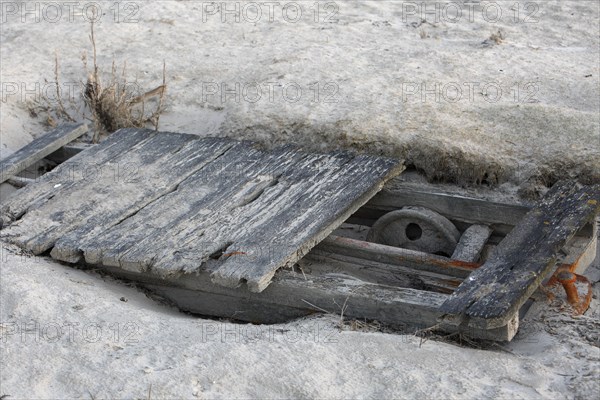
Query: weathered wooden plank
point(39, 148)
point(85, 166)
point(397, 256)
point(180, 220)
point(471, 243)
point(495, 292)
point(339, 191)
point(292, 295)
point(274, 189)
point(165, 165)
point(234, 205)
point(92, 205)
point(324, 262)
point(500, 216)
point(168, 172)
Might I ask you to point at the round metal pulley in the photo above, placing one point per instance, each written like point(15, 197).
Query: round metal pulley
point(416, 228)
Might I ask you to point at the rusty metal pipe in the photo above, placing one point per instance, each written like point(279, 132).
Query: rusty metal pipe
point(567, 280)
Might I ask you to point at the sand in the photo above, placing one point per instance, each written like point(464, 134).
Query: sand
point(469, 100)
point(67, 333)
point(366, 75)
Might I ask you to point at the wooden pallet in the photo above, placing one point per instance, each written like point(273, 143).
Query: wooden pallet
point(194, 219)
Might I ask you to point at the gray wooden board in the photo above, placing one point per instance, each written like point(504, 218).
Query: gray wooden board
point(319, 261)
point(104, 199)
point(500, 216)
point(309, 213)
point(39, 148)
point(496, 291)
point(83, 167)
point(471, 243)
point(416, 260)
point(161, 175)
point(168, 203)
point(180, 220)
point(293, 295)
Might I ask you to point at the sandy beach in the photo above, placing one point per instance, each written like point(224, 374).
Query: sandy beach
point(500, 94)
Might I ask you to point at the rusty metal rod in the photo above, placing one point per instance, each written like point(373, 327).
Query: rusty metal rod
point(567, 280)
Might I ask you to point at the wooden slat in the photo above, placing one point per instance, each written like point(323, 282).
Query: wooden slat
point(193, 200)
point(471, 243)
point(397, 256)
point(495, 292)
point(83, 167)
point(167, 165)
point(39, 148)
point(317, 201)
point(155, 166)
point(233, 213)
point(500, 216)
point(182, 221)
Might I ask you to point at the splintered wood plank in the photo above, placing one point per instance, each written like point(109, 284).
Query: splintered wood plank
point(83, 167)
point(188, 202)
point(250, 205)
point(177, 218)
point(156, 167)
point(318, 200)
point(210, 229)
point(496, 291)
point(39, 148)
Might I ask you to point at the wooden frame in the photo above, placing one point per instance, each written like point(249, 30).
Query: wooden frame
point(399, 287)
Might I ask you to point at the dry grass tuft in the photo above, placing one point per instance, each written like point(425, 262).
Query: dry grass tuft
point(113, 103)
point(495, 38)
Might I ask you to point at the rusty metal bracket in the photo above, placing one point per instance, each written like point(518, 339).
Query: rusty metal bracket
point(565, 276)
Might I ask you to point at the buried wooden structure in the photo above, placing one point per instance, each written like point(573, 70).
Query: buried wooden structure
point(225, 228)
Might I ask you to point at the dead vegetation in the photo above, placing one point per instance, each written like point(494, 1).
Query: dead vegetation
point(495, 38)
point(109, 101)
